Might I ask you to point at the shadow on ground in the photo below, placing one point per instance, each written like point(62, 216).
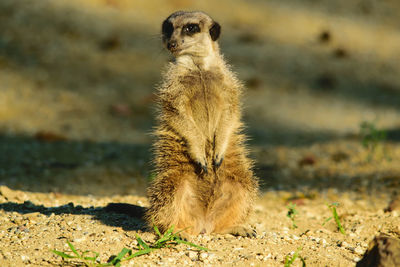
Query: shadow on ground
point(73, 167)
point(127, 216)
point(110, 168)
point(80, 59)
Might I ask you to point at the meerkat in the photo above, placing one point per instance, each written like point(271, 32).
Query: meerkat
point(204, 181)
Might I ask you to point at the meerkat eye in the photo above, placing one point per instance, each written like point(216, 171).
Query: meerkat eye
point(167, 29)
point(191, 29)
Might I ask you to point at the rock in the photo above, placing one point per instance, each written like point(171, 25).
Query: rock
point(212, 256)
point(344, 244)
point(383, 251)
point(192, 255)
point(267, 257)
point(206, 238)
point(203, 256)
point(359, 250)
point(7, 192)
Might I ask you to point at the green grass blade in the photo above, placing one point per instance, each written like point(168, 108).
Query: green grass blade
point(180, 241)
point(180, 231)
point(295, 255)
point(96, 255)
point(73, 249)
point(93, 259)
point(327, 220)
point(286, 263)
point(139, 253)
point(289, 262)
point(64, 255)
point(168, 236)
point(89, 258)
point(141, 242)
point(103, 264)
point(157, 231)
point(337, 220)
point(303, 262)
point(169, 232)
point(123, 252)
point(120, 255)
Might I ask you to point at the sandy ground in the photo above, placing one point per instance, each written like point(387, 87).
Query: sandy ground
point(76, 108)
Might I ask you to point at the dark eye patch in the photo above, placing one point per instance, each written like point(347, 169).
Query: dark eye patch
point(167, 29)
point(190, 29)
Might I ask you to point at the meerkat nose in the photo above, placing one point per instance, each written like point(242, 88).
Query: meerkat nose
point(172, 45)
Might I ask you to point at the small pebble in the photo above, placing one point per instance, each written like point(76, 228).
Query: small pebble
point(80, 239)
point(212, 256)
point(268, 256)
point(192, 255)
point(359, 250)
point(203, 256)
point(352, 249)
point(206, 238)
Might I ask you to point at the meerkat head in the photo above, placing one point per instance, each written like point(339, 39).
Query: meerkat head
point(190, 33)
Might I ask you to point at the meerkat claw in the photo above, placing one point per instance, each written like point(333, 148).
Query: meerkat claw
point(217, 162)
point(252, 234)
point(203, 166)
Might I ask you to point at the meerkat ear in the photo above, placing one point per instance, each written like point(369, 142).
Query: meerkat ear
point(215, 31)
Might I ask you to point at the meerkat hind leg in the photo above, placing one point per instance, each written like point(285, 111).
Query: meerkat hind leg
point(187, 210)
point(230, 210)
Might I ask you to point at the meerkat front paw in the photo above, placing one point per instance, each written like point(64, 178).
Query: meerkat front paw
point(217, 161)
point(195, 152)
point(220, 146)
point(184, 236)
point(203, 165)
point(243, 231)
point(200, 161)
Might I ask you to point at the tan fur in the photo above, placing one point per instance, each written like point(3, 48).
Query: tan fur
point(199, 126)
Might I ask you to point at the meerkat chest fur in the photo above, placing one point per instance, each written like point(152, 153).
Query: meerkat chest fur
point(206, 99)
point(203, 96)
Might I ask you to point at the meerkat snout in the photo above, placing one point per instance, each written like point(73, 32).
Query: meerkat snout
point(190, 33)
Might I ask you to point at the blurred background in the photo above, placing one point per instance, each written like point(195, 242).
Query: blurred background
point(321, 105)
